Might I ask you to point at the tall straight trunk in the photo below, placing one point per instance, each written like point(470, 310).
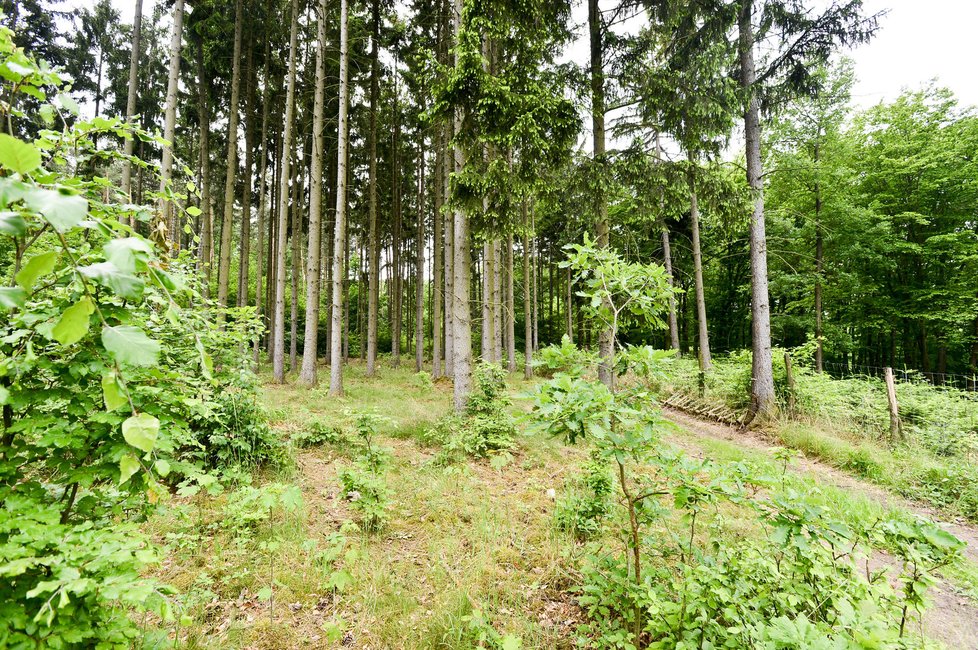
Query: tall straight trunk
point(606, 342)
point(373, 302)
point(819, 257)
point(313, 256)
point(667, 263)
point(762, 372)
point(262, 201)
point(167, 213)
point(527, 297)
point(244, 251)
point(535, 267)
point(396, 285)
point(569, 304)
point(137, 33)
point(487, 320)
point(449, 220)
point(437, 270)
point(278, 329)
point(339, 233)
point(509, 313)
point(296, 245)
point(461, 313)
point(203, 115)
point(224, 265)
point(706, 361)
point(419, 266)
point(497, 302)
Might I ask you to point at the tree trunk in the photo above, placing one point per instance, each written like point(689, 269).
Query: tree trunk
point(278, 329)
point(224, 265)
point(437, 271)
point(603, 240)
point(310, 344)
point(527, 298)
point(244, 252)
point(296, 245)
point(137, 32)
point(449, 220)
point(819, 257)
point(762, 373)
point(497, 302)
point(396, 287)
point(461, 313)
point(706, 361)
point(510, 309)
point(262, 199)
point(419, 267)
point(203, 261)
point(373, 302)
point(167, 214)
point(339, 235)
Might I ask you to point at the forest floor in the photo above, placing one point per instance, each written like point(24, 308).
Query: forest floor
point(466, 538)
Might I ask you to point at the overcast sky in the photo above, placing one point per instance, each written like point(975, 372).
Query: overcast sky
point(918, 41)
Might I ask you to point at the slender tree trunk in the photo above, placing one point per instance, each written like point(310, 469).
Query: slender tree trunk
point(262, 200)
point(706, 361)
point(449, 221)
point(224, 264)
point(373, 302)
point(203, 261)
point(762, 373)
point(667, 263)
point(296, 245)
point(313, 257)
point(527, 298)
point(487, 320)
point(606, 342)
point(419, 267)
point(339, 235)
point(244, 252)
point(278, 330)
point(819, 257)
point(137, 32)
point(510, 312)
point(167, 213)
point(396, 285)
point(461, 312)
point(497, 302)
point(437, 271)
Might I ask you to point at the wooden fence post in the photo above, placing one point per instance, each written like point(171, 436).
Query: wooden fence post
point(791, 383)
point(896, 429)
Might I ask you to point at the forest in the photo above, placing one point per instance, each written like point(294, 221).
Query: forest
point(481, 324)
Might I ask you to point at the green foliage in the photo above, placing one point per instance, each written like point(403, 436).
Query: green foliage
point(317, 434)
point(584, 508)
point(364, 484)
point(485, 428)
point(482, 634)
point(108, 385)
point(248, 507)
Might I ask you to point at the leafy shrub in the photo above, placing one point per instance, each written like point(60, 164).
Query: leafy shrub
point(316, 434)
point(486, 428)
point(249, 506)
point(582, 511)
point(364, 484)
point(110, 386)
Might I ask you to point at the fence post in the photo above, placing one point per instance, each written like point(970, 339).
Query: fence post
point(791, 382)
point(896, 429)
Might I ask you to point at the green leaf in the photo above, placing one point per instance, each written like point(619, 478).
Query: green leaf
point(12, 298)
point(128, 466)
point(128, 254)
point(63, 211)
point(73, 324)
point(18, 156)
point(118, 281)
point(4, 395)
point(13, 224)
point(36, 267)
point(68, 104)
point(162, 467)
point(193, 211)
point(511, 642)
point(112, 392)
point(141, 430)
point(130, 345)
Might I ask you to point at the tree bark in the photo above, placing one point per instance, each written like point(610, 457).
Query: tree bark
point(170, 236)
point(203, 115)
point(224, 264)
point(396, 286)
point(137, 32)
point(296, 245)
point(706, 361)
point(310, 346)
point(244, 251)
point(419, 266)
point(762, 374)
point(262, 199)
point(339, 235)
point(527, 298)
point(373, 302)
point(461, 313)
point(510, 310)
point(278, 329)
point(606, 342)
point(437, 271)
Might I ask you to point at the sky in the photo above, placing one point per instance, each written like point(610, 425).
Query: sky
point(918, 40)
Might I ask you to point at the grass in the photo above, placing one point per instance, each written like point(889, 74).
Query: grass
point(458, 539)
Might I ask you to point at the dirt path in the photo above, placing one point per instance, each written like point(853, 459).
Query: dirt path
point(952, 617)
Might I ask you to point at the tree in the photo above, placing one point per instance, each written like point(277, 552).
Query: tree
point(137, 31)
point(168, 221)
point(339, 237)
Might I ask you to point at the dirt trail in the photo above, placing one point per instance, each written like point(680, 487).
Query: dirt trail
point(952, 617)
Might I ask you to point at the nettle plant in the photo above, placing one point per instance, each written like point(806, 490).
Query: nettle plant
point(684, 580)
point(107, 383)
